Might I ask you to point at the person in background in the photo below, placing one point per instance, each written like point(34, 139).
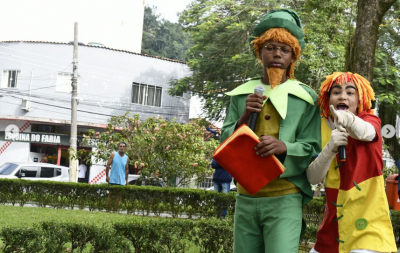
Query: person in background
point(119, 163)
point(82, 173)
point(222, 181)
point(356, 218)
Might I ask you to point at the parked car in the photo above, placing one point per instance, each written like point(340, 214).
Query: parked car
point(34, 171)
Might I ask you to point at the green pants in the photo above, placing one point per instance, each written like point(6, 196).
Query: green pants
point(268, 225)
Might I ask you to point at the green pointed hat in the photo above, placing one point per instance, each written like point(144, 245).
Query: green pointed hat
point(280, 18)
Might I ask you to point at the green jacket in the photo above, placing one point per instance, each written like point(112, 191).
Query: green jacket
point(300, 125)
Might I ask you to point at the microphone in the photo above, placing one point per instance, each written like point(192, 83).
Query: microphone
point(259, 89)
point(342, 153)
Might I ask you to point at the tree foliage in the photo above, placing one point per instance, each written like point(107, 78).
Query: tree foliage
point(163, 38)
point(386, 73)
point(341, 35)
point(221, 58)
point(159, 148)
point(375, 23)
point(328, 28)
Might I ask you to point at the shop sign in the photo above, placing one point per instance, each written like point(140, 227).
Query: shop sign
point(44, 138)
point(35, 137)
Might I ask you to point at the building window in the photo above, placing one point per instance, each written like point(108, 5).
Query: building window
point(146, 94)
point(64, 82)
point(10, 79)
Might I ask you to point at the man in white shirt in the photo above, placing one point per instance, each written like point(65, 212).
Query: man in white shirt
point(82, 173)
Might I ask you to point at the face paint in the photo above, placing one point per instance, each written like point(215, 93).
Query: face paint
point(344, 97)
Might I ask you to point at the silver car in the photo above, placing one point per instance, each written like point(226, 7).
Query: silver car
point(34, 171)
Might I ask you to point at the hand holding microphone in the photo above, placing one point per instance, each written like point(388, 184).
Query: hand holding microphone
point(259, 89)
point(338, 140)
point(342, 120)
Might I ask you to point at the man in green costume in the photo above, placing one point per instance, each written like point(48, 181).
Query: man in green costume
point(288, 126)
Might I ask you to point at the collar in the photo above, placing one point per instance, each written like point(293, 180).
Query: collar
point(278, 95)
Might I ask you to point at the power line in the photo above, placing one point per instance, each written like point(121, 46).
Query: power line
point(47, 110)
point(107, 77)
point(103, 104)
point(27, 60)
point(29, 52)
point(107, 107)
point(58, 59)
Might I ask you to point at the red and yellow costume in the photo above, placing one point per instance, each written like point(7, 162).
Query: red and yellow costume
point(356, 212)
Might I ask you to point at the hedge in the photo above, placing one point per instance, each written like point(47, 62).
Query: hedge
point(144, 200)
point(142, 234)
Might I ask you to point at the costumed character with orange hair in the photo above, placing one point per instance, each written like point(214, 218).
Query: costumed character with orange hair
point(288, 126)
point(356, 216)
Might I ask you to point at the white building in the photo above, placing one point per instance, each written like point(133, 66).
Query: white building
point(35, 94)
point(36, 68)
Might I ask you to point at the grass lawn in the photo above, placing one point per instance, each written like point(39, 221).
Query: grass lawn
point(26, 216)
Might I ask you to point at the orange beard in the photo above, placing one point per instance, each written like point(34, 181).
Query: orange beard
point(275, 76)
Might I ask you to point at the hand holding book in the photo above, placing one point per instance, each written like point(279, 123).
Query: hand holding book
point(237, 156)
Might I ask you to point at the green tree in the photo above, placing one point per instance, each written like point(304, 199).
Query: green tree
point(378, 24)
point(387, 73)
point(341, 35)
point(160, 148)
point(221, 58)
point(328, 28)
point(163, 38)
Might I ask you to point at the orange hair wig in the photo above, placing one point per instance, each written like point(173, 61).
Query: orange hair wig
point(279, 35)
point(365, 92)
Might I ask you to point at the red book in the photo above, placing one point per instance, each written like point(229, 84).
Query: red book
point(237, 156)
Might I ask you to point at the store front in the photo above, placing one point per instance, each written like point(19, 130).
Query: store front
point(45, 143)
point(48, 148)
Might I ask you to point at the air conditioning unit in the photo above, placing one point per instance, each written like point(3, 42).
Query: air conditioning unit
point(26, 104)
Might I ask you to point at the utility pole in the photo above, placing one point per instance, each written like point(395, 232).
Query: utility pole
point(74, 105)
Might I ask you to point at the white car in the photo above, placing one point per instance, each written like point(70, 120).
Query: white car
point(34, 171)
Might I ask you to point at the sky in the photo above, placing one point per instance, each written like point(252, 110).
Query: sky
point(168, 9)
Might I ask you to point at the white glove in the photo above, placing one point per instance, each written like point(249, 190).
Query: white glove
point(338, 138)
point(317, 170)
point(357, 128)
point(342, 118)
